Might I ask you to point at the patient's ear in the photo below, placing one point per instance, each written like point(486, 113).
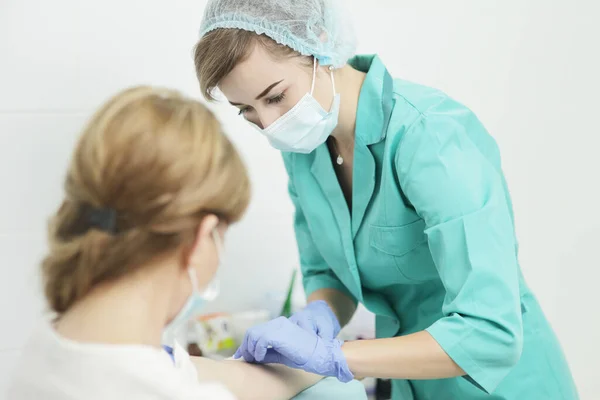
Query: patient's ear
point(202, 242)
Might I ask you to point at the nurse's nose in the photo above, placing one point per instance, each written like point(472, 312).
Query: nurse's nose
point(267, 117)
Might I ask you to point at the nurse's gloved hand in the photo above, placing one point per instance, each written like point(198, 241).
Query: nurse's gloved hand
point(317, 317)
point(280, 341)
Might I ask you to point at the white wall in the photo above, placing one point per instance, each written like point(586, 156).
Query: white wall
point(527, 67)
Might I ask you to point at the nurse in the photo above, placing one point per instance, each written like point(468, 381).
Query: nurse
point(401, 204)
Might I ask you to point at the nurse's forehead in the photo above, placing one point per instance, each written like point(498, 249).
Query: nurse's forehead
point(259, 70)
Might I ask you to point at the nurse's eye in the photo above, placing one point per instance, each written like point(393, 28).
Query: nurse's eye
point(277, 99)
point(243, 110)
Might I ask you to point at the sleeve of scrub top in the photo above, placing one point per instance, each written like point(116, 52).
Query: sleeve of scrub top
point(461, 197)
point(316, 274)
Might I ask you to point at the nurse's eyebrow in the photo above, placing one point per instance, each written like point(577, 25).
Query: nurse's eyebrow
point(262, 94)
point(267, 90)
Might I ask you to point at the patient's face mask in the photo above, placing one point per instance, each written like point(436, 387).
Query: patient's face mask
point(307, 125)
point(199, 298)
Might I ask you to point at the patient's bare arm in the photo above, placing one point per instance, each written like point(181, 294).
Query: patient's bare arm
point(252, 381)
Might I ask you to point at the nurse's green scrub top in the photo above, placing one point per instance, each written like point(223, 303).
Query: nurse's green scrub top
point(430, 242)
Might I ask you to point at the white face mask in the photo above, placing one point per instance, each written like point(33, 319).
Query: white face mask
point(306, 126)
point(198, 299)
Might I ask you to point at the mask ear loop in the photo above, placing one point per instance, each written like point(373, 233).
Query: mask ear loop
point(194, 279)
point(332, 79)
point(312, 86)
point(218, 244)
point(212, 290)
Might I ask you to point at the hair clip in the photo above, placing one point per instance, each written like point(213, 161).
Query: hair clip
point(104, 219)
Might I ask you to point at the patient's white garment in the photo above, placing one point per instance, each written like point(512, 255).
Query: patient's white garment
point(55, 368)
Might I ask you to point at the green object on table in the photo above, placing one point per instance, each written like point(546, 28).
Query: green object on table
point(286, 310)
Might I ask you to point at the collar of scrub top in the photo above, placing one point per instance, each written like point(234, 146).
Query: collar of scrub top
point(376, 96)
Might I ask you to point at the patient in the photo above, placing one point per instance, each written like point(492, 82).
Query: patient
point(152, 187)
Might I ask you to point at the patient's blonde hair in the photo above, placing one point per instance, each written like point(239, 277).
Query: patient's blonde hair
point(161, 162)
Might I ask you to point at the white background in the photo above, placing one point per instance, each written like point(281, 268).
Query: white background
point(528, 68)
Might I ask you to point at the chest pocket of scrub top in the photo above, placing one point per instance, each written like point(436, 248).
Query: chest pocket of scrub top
point(406, 248)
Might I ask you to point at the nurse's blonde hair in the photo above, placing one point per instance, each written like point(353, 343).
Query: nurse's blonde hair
point(160, 163)
point(219, 51)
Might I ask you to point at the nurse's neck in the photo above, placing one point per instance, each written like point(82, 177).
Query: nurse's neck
point(348, 82)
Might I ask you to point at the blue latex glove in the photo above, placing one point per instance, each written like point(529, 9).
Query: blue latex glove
point(280, 341)
point(317, 317)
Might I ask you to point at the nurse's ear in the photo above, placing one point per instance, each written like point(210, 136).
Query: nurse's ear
point(199, 253)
